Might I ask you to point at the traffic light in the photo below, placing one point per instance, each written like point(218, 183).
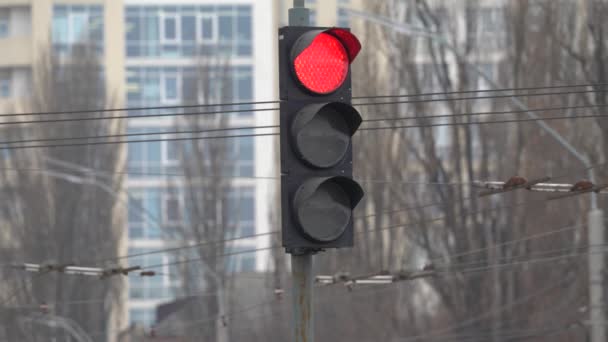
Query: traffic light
point(317, 122)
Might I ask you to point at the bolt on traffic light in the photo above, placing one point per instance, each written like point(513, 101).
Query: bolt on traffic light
point(317, 122)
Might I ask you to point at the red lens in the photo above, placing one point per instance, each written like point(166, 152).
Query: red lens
point(323, 66)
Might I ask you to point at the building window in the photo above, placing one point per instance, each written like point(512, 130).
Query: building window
point(188, 31)
point(145, 214)
point(151, 86)
point(171, 88)
point(169, 28)
point(172, 209)
point(136, 205)
point(240, 211)
point(242, 152)
point(5, 84)
point(226, 26)
point(144, 317)
point(145, 157)
point(207, 29)
point(4, 23)
point(77, 24)
point(171, 151)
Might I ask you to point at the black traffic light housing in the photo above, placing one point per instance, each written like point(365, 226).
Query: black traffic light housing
point(318, 194)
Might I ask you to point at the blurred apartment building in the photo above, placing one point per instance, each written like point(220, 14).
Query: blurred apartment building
point(149, 51)
point(29, 27)
point(32, 30)
point(167, 43)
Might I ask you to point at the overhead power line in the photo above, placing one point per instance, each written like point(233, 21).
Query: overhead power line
point(118, 117)
point(124, 109)
point(204, 243)
point(232, 111)
point(391, 227)
point(550, 118)
point(488, 113)
point(171, 249)
point(135, 173)
point(184, 106)
point(551, 285)
point(481, 91)
point(537, 255)
point(138, 141)
point(276, 134)
point(475, 98)
point(196, 131)
point(224, 317)
point(386, 277)
point(507, 243)
point(417, 207)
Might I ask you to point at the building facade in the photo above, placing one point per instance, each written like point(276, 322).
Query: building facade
point(28, 27)
point(33, 30)
point(203, 52)
point(150, 52)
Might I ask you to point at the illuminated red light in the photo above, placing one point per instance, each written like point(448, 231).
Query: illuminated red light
point(322, 67)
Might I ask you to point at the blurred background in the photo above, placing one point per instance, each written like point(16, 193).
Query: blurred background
point(202, 211)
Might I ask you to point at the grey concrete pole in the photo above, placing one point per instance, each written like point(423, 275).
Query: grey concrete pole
point(302, 287)
point(596, 238)
point(301, 263)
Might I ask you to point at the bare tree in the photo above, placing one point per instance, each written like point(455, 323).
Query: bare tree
point(403, 226)
point(51, 218)
point(210, 205)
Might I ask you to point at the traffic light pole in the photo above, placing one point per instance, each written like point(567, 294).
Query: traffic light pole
point(301, 263)
point(302, 287)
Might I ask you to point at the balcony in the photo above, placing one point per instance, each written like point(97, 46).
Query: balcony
point(16, 51)
point(16, 2)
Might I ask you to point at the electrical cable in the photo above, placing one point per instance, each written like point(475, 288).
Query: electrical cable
point(551, 286)
point(106, 110)
point(489, 113)
point(200, 244)
point(17, 291)
point(232, 111)
point(364, 231)
point(257, 109)
point(526, 262)
point(140, 134)
point(523, 259)
point(194, 245)
point(473, 98)
point(232, 314)
point(138, 141)
point(507, 243)
point(124, 109)
point(441, 218)
point(481, 91)
point(131, 173)
point(276, 134)
point(550, 118)
point(509, 112)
